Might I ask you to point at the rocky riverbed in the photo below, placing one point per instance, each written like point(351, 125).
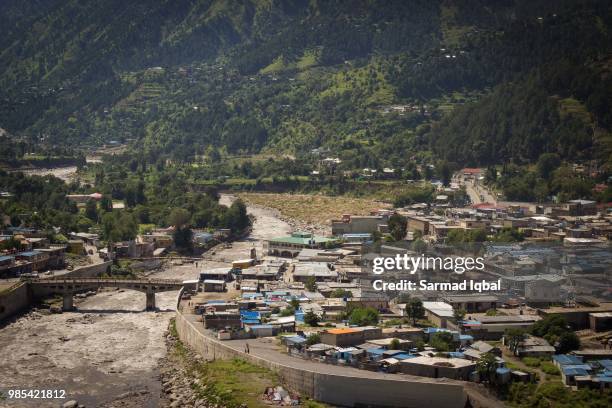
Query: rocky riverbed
point(108, 351)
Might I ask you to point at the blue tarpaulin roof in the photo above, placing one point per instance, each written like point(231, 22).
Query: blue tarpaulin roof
point(376, 351)
point(251, 321)
point(261, 326)
point(28, 254)
point(576, 370)
point(607, 364)
point(404, 356)
point(430, 330)
point(566, 359)
point(251, 295)
point(295, 339)
point(248, 314)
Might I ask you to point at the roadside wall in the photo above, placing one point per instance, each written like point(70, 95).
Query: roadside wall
point(14, 300)
point(88, 271)
point(331, 388)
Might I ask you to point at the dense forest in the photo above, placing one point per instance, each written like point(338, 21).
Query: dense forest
point(407, 85)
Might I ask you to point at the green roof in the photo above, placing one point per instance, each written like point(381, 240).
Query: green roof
point(302, 238)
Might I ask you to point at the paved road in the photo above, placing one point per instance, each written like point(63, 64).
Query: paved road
point(267, 349)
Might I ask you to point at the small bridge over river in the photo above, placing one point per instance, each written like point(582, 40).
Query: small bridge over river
point(68, 287)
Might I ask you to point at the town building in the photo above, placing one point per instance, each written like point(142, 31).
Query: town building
point(350, 336)
point(292, 245)
point(358, 224)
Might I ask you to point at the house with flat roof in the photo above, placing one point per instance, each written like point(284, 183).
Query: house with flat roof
point(320, 271)
point(439, 313)
point(358, 224)
point(224, 274)
point(438, 367)
point(291, 246)
point(350, 336)
point(533, 346)
point(472, 302)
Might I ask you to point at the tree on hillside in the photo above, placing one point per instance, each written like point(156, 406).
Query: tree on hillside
point(341, 293)
point(179, 218)
point(458, 315)
point(91, 210)
point(106, 203)
point(513, 338)
point(119, 226)
point(486, 366)
point(311, 284)
point(442, 341)
point(567, 342)
point(311, 319)
point(547, 163)
point(183, 238)
point(183, 235)
point(397, 226)
point(237, 217)
point(313, 338)
point(363, 316)
point(415, 310)
point(557, 332)
point(445, 173)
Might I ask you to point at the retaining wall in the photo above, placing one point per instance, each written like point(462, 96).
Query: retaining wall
point(333, 389)
point(88, 271)
point(14, 300)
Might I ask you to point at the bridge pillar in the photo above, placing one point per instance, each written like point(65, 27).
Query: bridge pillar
point(68, 302)
point(150, 300)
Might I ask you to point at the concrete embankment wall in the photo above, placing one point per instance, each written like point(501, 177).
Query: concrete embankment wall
point(333, 389)
point(14, 300)
point(88, 271)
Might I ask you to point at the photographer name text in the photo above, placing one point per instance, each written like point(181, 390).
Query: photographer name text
point(466, 285)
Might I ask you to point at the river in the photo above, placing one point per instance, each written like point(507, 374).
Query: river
point(107, 352)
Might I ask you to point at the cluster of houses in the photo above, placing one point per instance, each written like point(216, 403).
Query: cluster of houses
point(35, 252)
point(584, 372)
point(274, 297)
point(565, 273)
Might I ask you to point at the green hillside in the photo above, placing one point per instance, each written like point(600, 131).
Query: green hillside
point(378, 83)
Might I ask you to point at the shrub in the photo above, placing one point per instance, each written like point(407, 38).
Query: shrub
point(531, 361)
point(549, 368)
point(314, 338)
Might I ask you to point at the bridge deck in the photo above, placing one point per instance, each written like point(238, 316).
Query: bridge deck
point(105, 281)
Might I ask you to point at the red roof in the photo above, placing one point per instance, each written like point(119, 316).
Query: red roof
point(600, 188)
point(471, 170)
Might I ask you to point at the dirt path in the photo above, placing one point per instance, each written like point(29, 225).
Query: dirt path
point(109, 348)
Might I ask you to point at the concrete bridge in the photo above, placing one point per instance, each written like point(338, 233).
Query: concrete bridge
point(69, 287)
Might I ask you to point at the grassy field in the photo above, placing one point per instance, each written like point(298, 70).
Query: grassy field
point(316, 209)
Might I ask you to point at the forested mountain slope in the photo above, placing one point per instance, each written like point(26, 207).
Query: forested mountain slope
point(476, 82)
